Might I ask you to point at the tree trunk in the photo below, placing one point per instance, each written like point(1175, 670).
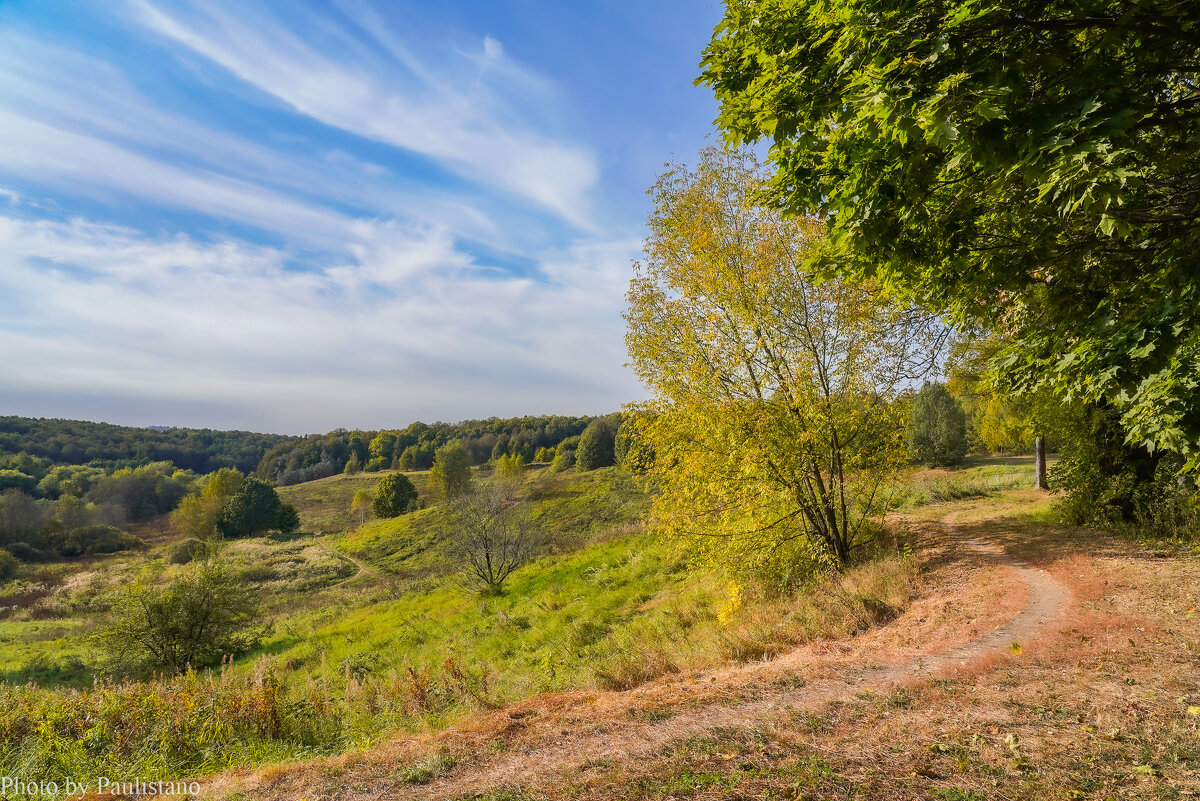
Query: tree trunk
point(1039, 463)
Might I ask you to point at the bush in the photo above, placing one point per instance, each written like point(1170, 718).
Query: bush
point(630, 449)
point(394, 496)
point(564, 455)
point(287, 519)
point(597, 443)
point(253, 508)
point(27, 553)
point(8, 564)
point(94, 540)
point(376, 464)
point(1110, 482)
point(451, 471)
point(937, 427)
point(185, 551)
point(202, 615)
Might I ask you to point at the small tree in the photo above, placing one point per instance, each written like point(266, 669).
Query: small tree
point(353, 465)
point(510, 471)
point(937, 427)
point(774, 424)
point(394, 496)
point(490, 538)
point(287, 520)
point(360, 505)
point(451, 471)
point(629, 448)
point(564, 454)
point(194, 620)
point(253, 508)
point(597, 444)
point(197, 514)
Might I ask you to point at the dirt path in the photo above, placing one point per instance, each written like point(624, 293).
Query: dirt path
point(363, 570)
point(629, 740)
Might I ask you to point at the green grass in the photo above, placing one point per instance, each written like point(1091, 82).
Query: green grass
point(324, 505)
point(976, 477)
point(359, 653)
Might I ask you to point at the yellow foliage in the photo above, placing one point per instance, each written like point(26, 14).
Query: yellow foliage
point(776, 425)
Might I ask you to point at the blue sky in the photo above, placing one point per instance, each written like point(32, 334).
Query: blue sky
point(298, 216)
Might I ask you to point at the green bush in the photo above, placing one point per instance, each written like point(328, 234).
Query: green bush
point(253, 508)
point(597, 443)
point(26, 552)
point(185, 551)
point(394, 496)
point(564, 454)
point(203, 614)
point(8, 564)
point(90, 540)
point(937, 427)
point(287, 519)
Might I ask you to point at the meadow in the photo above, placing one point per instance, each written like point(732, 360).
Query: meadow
point(374, 634)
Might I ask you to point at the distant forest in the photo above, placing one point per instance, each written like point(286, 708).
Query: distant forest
point(278, 458)
point(79, 442)
point(412, 448)
point(69, 487)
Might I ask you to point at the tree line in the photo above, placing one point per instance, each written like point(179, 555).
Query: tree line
point(414, 447)
point(81, 442)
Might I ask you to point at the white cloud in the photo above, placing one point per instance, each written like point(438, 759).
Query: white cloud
point(76, 124)
point(410, 328)
point(469, 126)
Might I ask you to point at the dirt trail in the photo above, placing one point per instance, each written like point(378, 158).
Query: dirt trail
point(363, 570)
point(624, 740)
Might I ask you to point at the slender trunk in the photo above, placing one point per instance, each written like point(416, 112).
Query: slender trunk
point(1039, 463)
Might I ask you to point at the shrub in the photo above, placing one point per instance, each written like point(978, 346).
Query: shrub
point(185, 551)
point(8, 564)
point(394, 496)
point(253, 508)
point(564, 455)
point(376, 464)
point(937, 427)
point(287, 519)
point(597, 444)
point(451, 471)
point(27, 553)
point(630, 450)
point(200, 616)
point(95, 539)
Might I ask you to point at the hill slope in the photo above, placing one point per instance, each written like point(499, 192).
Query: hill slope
point(1039, 663)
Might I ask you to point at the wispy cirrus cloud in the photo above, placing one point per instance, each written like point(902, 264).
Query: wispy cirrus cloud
point(390, 95)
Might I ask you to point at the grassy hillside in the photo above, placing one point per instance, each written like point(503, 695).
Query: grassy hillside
point(373, 633)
